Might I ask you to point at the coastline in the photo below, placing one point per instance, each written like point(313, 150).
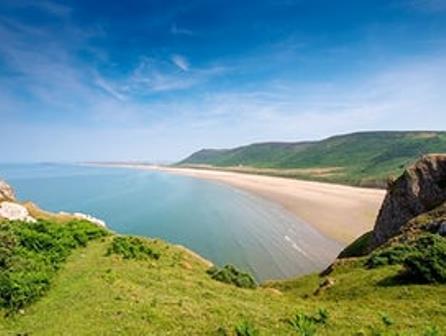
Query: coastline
point(340, 212)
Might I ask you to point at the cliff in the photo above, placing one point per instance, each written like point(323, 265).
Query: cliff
point(6, 192)
point(415, 203)
point(420, 189)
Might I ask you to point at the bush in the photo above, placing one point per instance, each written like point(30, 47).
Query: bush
point(306, 325)
point(394, 255)
point(231, 275)
point(245, 329)
point(424, 259)
point(428, 263)
point(31, 253)
point(432, 331)
point(132, 248)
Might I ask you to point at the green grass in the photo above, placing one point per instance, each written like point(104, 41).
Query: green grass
point(95, 292)
point(231, 275)
point(130, 247)
point(32, 253)
point(366, 159)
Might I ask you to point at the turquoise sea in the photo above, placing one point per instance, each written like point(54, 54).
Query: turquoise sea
point(221, 223)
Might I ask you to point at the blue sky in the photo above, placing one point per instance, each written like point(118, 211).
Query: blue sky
point(156, 80)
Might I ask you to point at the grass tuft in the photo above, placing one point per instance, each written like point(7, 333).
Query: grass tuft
point(231, 275)
point(31, 253)
point(130, 247)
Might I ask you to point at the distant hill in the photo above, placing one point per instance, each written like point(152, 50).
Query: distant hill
point(366, 158)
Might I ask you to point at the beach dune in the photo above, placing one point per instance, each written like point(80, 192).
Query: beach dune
point(340, 212)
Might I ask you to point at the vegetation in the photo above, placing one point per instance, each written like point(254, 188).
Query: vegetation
point(31, 253)
point(306, 325)
point(231, 275)
point(428, 263)
point(246, 329)
point(424, 259)
point(91, 290)
point(132, 248)
point(366, 159)
point(394, 255)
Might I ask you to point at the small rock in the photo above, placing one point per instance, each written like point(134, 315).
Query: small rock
point(327, 283)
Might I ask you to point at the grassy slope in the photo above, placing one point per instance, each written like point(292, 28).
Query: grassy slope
point(105, 295)
point(362, 158)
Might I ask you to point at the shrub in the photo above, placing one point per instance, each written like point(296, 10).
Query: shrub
point(245, 329)
point(303, 324)
point(231, 275)
point(394, 255)
point(432, 331)
point(132, 248)
point(31, 253)
point(306, 325)
point(386, 320)
point(424, 259)
point(428, 263)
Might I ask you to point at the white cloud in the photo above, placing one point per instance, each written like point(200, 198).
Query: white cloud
point(175, 30)
point(107, 87)
point(47, 81)
point(181, 62)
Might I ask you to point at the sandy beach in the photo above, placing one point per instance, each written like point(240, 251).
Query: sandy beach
point(341, 212)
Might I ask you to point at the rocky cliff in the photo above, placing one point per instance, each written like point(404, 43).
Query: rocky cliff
point(6, 192)
point(420, 189)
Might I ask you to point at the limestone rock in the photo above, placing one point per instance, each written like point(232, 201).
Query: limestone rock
point(421, 188)
point(6, 192)
point(14, 211)
point(91, 219)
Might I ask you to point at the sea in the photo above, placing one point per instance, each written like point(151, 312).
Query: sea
point(221, 223)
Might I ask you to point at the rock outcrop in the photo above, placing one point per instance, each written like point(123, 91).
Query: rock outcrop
point(91, 219)
point(15, 211)
point(6, 192)
point(421, 188)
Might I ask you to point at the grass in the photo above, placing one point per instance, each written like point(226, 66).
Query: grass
point(130, 247)
point(32, 253)
point(231, 275)
point(95, 292)
point(366, 159)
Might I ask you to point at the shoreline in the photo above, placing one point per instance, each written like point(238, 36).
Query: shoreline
point(340, 212)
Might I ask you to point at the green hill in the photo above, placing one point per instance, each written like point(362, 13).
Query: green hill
point(366, 159)
point(95, 292)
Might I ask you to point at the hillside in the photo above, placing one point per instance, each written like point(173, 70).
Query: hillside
point(106, 295)
point(366, 159)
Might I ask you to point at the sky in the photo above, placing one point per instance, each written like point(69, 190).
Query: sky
point(156, 80)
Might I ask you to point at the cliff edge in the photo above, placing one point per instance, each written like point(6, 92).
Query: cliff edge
point(421, 188)
point(6, 192)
